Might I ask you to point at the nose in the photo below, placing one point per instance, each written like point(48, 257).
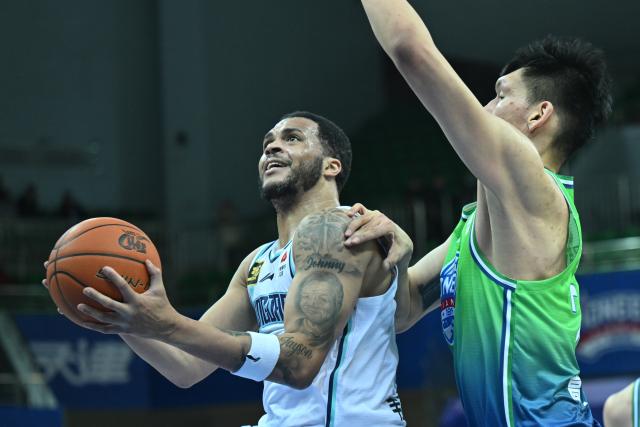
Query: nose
point(273, 147)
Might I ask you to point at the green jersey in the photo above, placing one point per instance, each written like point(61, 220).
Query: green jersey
point(514, 341)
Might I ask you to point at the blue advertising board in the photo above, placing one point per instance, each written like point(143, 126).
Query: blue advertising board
point(89, 370)
point(86, 369)
point(610, 335)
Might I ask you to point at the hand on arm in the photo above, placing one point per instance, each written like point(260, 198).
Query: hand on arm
point(321, 297)
point(418, 286)
point(371, 226)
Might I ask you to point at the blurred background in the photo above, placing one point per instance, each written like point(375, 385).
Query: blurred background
point(153, 111)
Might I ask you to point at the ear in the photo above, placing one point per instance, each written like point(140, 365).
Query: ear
point(540, 116)
point(332, 167)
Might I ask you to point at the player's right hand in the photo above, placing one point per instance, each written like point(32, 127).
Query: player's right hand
point(371, 225)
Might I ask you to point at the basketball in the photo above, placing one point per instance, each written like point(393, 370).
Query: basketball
point(78, 257)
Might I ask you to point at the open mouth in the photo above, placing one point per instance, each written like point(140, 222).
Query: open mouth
point(273, 165)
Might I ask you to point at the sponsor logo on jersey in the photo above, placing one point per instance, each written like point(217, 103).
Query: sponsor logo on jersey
point(284, 256)
point(270, 308)
point(448, 279)
point(254, 272)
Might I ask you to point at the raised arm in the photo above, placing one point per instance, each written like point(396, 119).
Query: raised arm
point(499, 155)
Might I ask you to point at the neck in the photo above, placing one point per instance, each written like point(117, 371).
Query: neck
point(289, 215)
point(550, 158)
point(551, 162)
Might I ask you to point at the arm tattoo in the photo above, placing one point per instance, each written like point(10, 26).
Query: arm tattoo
point(319, 239)
point(319, 300)
point(430, 292)
point(319, 251)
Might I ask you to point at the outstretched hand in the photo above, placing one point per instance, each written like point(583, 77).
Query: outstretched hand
point(369, 225)
point(147, 315)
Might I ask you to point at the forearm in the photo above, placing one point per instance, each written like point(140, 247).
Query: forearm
point(225, 349)
point(403, 297)
point(423, 286)
point(298, 360)
point(179, 367)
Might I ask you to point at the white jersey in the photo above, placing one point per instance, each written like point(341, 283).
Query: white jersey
point(356, 385)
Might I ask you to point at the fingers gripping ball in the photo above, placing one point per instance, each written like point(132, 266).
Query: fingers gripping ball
point(78, 256)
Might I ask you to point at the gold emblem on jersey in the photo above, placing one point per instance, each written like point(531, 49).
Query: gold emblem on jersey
point(254, 272)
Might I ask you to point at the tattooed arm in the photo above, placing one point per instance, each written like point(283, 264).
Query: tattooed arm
point(322, 296)
point(320, 300)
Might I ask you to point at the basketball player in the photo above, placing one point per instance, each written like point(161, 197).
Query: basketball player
point(310, 317)
point(622, 409)
point(510, 305)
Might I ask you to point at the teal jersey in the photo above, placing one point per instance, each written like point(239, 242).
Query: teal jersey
point(514, 341)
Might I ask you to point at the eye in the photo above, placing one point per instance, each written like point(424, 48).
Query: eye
point(292, 138)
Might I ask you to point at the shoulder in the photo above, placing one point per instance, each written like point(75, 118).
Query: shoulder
point(244, 271)
point(321, 235)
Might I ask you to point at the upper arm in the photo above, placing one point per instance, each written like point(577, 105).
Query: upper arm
point(498, 154)
point(321, 297)
point(233, 311)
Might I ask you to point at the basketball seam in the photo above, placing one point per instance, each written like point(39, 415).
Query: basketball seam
point(55, 273)
point(108, 255)
point(72, 277)
point(99, 226)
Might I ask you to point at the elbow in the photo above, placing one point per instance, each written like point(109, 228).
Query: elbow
point(615, 411)
point(302, 378)
point(183, 383)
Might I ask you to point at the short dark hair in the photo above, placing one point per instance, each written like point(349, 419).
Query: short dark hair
point(572, 75)
point(335, 142)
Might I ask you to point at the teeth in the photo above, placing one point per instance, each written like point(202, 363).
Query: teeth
point(274, 165)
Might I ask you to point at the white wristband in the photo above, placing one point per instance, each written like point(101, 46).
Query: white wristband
point(262, 357)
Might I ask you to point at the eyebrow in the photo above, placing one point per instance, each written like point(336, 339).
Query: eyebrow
point(290, 130)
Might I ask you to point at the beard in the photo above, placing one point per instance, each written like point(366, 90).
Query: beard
point(300, 179)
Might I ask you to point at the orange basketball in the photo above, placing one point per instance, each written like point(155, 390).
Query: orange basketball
point(78, 256)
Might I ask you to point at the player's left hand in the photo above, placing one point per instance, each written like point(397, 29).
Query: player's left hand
point(148, 315)
point(369, 225)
